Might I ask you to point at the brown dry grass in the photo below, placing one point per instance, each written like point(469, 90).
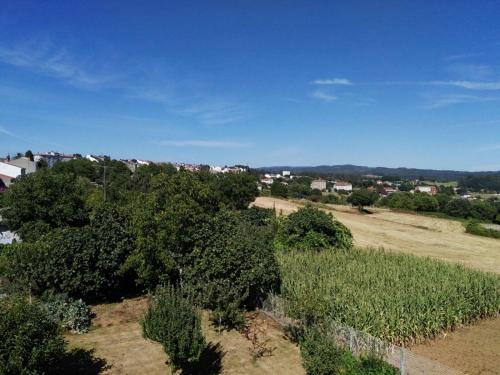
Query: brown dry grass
point(116, 337)
point(420, 235)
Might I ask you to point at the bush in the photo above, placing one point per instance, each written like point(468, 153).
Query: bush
point(321, 356)
point(174, 322)
point(458, 207)
point(363, 197)
point(233, 262)
point(310, 228)
point(473, 227)
point(31, 342)
point(279, 190)
point(73, 315)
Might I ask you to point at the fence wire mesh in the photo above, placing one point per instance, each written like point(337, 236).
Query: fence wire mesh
point(359, 343)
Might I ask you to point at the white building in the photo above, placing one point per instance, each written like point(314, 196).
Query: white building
point(286, 173)
point(318, 184)
point(427, 189)
point(12, 169)
point(52, 157)
point(344, 186)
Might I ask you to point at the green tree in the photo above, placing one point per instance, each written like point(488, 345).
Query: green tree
point(458, 207)
point(483, 210)
point(29, 154)
point(44, 196)
point(237, 190)
point(362, 197)
point(312, 228)
point(426, 203)
point(81, 262)
point(233, 262)
point(31, 341)
point(279, 189)
point(78, 167)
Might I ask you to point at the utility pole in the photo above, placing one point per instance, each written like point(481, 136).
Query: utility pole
point(104, 179)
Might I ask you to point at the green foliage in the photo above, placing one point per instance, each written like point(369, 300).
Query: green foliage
point(458, 207)
point(483, 210)
point(299, 188)
point(321, 356)
point(237, 190)
point(311, 228)
point(425, 202)
point(279, 189)
point(44, 196)
point(233, 262)
point(396, 297)
point(175, 323)
point(363, 197)
point(31, 342)
point(473, 227)
point(482, 182)
point(73, 315)
point(78, 167)
point(229, 316)
point(82, 262)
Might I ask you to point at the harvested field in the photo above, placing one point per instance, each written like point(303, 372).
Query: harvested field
point(474, 350)
point(416, 234)
point(116, 336)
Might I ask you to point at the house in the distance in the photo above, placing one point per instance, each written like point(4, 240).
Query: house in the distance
point(52, 157)
point(432, 190)
point(11, 169)
point(318, 184)
point(342, 186)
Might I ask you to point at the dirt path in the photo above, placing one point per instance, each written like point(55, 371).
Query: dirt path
point(420, 235)
point(116, 336)
point(475, 350)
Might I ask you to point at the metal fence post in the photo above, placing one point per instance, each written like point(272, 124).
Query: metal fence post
point(402, 362)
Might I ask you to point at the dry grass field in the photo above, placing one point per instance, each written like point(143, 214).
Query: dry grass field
point(416, 234)
point(116, 337)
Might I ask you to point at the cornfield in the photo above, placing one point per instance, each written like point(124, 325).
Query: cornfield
point(396, 297)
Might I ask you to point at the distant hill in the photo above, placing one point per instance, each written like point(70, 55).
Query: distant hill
point(356, 170)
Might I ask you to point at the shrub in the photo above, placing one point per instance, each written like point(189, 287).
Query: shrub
point(458, 207)
point(311, 228)
point(363, 197)
point(279, 190)
point(233, 262)
point(321, 356)
point(73, 315)
point(174, 322)
point(473, 227)
point(31, 342)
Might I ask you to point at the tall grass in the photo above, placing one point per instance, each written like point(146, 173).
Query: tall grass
point(399, 298)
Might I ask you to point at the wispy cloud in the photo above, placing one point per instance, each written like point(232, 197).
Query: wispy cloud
point(324, 96)
point(333, 81)
point(454, 99)
point(213, 112)
point(472, 85)
point(461, 56)
point(203, 143)
point(41, 56)
point(7, 132)
point(472, 72)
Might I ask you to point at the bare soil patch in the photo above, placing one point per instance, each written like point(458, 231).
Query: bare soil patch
point(116, 336)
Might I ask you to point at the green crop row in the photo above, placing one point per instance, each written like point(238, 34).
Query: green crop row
point(396, 297)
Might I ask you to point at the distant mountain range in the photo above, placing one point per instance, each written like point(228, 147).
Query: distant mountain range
point(357, 170)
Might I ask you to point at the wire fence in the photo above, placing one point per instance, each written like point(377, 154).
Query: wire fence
point(362, 343)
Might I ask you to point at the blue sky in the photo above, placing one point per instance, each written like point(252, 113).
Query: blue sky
point(398, 83)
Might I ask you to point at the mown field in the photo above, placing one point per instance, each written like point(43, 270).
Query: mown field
point(409, 233)
point(399, 298)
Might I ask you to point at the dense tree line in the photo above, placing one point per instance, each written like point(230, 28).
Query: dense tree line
point(490, 182)
point(484, 210)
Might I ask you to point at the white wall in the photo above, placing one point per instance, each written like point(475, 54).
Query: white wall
point(10, 170)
